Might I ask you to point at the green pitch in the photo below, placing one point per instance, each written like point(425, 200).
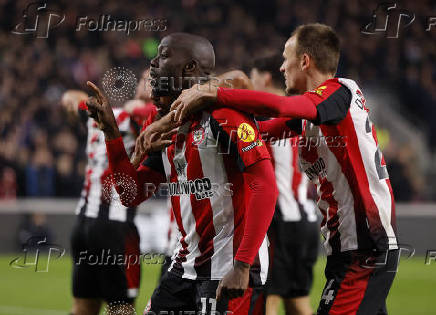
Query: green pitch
point(26, 292)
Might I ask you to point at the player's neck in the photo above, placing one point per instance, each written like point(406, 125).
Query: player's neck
point(316, 78)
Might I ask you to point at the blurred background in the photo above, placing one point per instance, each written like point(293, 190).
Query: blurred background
point(42, 152)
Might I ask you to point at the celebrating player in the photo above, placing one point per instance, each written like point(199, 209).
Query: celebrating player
point(339, 153)
point(221, 184)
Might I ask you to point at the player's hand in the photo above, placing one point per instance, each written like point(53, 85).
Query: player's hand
point(235, 282)
point(100, 110)
point(155, 137)
point(193, 100)
point(71, 99)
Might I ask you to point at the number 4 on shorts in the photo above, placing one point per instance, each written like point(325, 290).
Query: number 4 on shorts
point(328, 294)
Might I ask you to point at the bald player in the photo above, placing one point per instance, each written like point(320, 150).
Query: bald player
point(222, 188)
point(339, 153)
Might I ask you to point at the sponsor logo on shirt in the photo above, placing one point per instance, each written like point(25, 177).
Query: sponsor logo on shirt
point(319, 90)
point(246, 132)
point(316, 169)
point(200, 187)
point(257, 143)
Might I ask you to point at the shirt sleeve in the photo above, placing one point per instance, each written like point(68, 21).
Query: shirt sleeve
point(332, 103)
point(261, 182)
point(280, 128)
point(146, 178)
point(238, 135)
point(267, 104)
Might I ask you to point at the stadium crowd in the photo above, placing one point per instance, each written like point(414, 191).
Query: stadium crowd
point(39, 146)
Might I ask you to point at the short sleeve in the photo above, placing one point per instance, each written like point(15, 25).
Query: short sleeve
point(238, 134)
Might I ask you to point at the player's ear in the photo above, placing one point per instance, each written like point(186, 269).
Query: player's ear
point(305, 62)
point(267, 79)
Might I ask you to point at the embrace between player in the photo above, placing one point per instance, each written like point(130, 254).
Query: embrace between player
point(354, 192)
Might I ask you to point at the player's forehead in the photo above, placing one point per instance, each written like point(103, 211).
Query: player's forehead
point(171, 42)
point(290, 46)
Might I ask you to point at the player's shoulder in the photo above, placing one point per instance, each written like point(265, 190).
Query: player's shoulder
point(330, 89)
point(231, 116)
point(327, 88)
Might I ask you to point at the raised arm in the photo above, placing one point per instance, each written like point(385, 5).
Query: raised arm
point(267, 104)
point(133, 185)
point(253, 102)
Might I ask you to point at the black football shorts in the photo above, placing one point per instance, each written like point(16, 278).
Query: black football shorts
point(293, 251)
point(106, 260)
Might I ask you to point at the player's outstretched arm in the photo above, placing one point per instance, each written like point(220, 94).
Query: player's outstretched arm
point(100, 110)
point(253, 102)
point(261, 182)
point(119, 163)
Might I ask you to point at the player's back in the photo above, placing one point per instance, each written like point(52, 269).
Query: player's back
point(344, 161)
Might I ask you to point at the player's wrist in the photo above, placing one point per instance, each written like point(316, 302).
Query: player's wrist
point(241, 265)
point(210, 96)
point(111, 133)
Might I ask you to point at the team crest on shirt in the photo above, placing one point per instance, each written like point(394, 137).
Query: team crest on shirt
point(319, 90)
point(198, 136)
point(246, 132)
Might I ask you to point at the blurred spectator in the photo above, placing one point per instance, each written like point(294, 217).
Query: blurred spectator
point(8, 184)
point(34, 229)
point(67, 181)
point(42, 146)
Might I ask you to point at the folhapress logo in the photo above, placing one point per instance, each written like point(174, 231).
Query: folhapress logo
point(38, 20)
point(389, 20)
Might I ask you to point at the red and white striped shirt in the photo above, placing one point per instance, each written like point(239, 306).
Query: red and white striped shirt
point(339, 152)
point(204, 169)
point(291, 182)
point(354, 192)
